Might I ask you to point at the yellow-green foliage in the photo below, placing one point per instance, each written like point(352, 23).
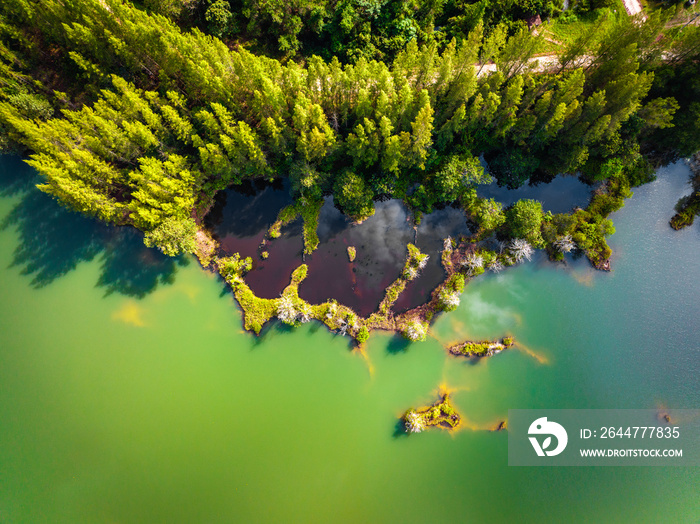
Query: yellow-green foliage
point(442, 413)
point(285, 216)
point(476, 348)
point(309, 214)
point(392, 294)
point(481, 349)
point(455, 283)
point(414, 259)
point(689, 206)
point(446, 255)
point(299, 274)
point(352, 253)
point(363, 335)
point(309, 211)
point(375, 319)
point(488, 256)
point(257, 311)
point(415, 330)
point(233, 267)
point(592, 226)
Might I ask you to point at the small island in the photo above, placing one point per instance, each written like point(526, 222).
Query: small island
point(485, 348)
point(440, 414)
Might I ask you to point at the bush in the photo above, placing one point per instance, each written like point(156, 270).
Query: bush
point(233, 267)
point(524, 219)
point(363, 335)
point(449, 300)
point(415, 331)
point(486, 213)
point(353, 196)
point(173, 236)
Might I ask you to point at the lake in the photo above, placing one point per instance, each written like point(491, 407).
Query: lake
point(129, 391)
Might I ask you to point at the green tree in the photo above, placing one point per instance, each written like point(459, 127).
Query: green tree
point(486, 213)
point(524, 219)
point(352, 196)
point(162, 189)
point(460, 173)
point(173, 236)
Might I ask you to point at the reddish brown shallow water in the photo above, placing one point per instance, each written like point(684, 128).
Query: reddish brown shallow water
point(243, 214)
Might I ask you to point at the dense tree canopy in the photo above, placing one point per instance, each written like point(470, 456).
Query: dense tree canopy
point(135, 120)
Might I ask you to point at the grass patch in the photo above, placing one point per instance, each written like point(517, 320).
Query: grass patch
point(568, 27)
point(309, 212)
point(392, 294)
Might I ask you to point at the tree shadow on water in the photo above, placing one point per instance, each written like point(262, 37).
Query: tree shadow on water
point(130, 268)
point(248, 209)
point(400, 429)
point(15, 176)
point(53, 241)
point(397, 345)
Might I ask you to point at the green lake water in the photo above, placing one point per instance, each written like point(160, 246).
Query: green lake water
point(130, 394)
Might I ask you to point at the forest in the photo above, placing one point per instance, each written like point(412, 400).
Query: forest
point(139, 113)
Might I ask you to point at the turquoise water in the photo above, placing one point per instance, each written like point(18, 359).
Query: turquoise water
point(129, 392)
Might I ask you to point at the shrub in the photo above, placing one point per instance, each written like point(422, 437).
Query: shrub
point(564, 244)
point(363, 335)
point(286, 311)
point(173, 236)
point(353, 196)
point(472, 262)
point(414, 422)
point(455, 283)
point(496, 266)
point(520, 249)
point(234, 266)
point(415, 331)
point(449, 300)
point(524, 219)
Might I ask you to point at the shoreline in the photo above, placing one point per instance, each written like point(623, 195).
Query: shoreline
point(688, 207)
point(461, 260)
